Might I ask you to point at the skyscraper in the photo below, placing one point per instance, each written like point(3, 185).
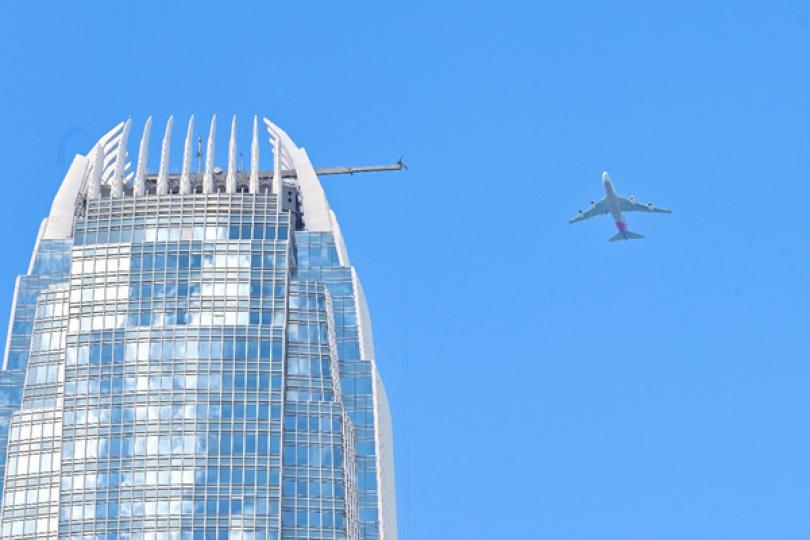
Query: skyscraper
point(190, 356)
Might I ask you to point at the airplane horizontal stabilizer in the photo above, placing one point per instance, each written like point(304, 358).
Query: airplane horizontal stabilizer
point(626, 235)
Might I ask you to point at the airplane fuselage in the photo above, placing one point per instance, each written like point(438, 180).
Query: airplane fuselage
point(612, 200)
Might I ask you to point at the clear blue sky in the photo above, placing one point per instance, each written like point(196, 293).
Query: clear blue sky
point(544, 383)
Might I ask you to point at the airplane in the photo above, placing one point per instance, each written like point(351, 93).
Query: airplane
point(613, 204)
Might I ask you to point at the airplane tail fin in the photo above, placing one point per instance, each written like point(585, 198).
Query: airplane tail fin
point(626, 235)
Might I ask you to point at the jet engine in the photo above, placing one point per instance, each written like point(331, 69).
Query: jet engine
point(632, 198)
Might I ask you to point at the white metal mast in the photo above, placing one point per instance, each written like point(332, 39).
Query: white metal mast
point(230, 179)
point(185, 174)
point(208, 179)
point(117, 184)
point(143, 158)
point(163, 172)
point(254, 157)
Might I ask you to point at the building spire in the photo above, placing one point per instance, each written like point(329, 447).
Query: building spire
point(143, 158)
point(185, 175)
point(230, 179)
point(254, 157)
point(208, 179)
point(165, 149)
point(117, 185)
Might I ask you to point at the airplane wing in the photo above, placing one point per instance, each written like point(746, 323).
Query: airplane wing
point(596, 209)
point(630, 205)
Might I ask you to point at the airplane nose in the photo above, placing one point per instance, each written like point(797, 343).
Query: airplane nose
point(605, 177)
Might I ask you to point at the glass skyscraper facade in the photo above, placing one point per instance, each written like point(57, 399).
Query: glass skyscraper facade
point(190, 357)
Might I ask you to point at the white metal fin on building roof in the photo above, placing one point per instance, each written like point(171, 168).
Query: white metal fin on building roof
point(117, 185)
point(315, 208)
point(59, 224)
point(165, 150)
point(254, 157)
point(208, 178)
point(108, 174)
point(139, 187)
point(112, 143)
point(94, 182)
point(276, 159)
point(110, 150)
point(290, 164)
point(185, 174)
point(230, 179)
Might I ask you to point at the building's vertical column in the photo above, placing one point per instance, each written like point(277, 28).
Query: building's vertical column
point(50, 264)
point(318, 492)
point(33, 476)
point(174, 368)
point(318, 260)
point(99, 389)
